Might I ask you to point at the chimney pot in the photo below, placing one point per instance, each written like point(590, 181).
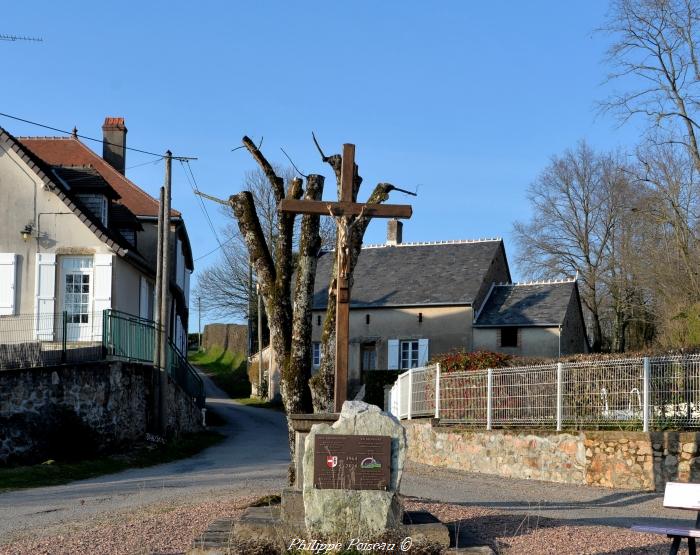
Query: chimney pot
point(394, 232)
point(114, 143)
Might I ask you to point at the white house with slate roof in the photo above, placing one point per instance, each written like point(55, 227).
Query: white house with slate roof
point(412, 301)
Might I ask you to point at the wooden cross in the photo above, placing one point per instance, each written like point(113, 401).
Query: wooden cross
point(346, 214)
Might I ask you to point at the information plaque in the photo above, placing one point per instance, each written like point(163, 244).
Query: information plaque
point(352, 462)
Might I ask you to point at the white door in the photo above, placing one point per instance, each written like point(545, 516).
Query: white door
point(77, 291)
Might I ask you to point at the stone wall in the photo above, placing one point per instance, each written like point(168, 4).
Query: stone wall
point(615, 459)
point(229, 337)
point(107, 401)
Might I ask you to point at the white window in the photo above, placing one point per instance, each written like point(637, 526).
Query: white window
point(8, 273)
point(97, 205)
point(409, 354)
point(316, 354)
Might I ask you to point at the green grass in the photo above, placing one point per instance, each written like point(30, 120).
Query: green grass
point(51, 473)
point(227, 370)
point(260, 403)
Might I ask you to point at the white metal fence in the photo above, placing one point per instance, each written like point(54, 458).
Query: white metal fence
point(642, 393)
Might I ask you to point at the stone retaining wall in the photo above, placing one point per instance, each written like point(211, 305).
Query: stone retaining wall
point(614, 459)
point(108, 402)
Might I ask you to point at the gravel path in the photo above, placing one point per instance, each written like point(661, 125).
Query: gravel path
point(253, 458)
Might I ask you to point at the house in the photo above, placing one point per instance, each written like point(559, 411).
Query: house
point(412, 301)
point(77, 236)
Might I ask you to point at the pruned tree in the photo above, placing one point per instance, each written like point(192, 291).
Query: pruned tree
point(323, 383)
point(226, 287)
point(655, 56)
point(275, 263)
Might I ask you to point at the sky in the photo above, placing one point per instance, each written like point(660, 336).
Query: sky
point(464, 101)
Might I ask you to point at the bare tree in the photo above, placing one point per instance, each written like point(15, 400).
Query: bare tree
point(655, 53)
point(572, 224)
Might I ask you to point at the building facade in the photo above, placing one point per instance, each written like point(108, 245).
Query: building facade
point(78, 237)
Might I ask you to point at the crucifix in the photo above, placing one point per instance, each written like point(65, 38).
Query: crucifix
point(346, 214)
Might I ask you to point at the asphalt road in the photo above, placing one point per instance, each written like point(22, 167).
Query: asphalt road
point(253, 458)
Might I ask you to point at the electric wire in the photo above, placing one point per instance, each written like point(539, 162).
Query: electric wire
point(92, 138)
point(195, 189)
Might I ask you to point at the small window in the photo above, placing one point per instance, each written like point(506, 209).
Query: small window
point(409, 354)
point(318, 320)
point(509, 337)
point(129, 235)
point(96, 205)
point(316, 354)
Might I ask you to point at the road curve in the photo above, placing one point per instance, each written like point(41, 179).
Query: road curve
point(253, 457)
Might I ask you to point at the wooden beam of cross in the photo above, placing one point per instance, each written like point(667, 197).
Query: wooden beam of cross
point(346, 214)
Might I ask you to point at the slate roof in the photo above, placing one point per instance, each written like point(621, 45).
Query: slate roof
point(414, 274)
point(535, 304)
point(69, 151)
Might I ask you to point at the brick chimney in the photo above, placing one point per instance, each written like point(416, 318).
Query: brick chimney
point(114, 143)
point(394, 232)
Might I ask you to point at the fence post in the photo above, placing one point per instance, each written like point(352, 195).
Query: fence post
point(410, 393)
point(559, 395)
point(437, 391)
point(64, 327)
point(645, 394)
point(489, 398)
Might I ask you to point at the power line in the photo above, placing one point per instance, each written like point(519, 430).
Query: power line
point(212, 251)
point(181, 158)
point(195, 190)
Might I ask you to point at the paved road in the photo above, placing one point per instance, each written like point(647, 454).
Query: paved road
point(253, 457)
point(580, 504)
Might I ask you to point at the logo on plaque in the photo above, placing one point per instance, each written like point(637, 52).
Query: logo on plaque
point(331, 461)
point(370, 462)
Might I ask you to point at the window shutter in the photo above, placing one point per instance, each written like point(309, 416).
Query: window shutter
point(393, 354)
point(422, 352)
point(45, 295)
point(102, 291)
point(143, 297)
point(8, 272)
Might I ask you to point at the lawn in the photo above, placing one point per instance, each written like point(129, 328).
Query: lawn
point(260, 403)
point(227, 370)
point(51, 473)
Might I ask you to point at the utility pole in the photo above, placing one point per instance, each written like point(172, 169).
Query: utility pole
point(260, 345)
point(156, 310)
point(165, 296)
point(199, 314)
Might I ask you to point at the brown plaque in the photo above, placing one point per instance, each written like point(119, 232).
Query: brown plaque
point(352, 462)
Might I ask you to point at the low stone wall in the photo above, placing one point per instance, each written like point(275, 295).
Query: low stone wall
point(615, 459)
point(229, 337)
point(106, 403)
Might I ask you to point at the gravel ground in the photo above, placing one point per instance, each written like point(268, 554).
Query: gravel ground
point(169, 529)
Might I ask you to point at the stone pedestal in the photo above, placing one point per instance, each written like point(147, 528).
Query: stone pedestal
point(344, 512)
point(302, 423)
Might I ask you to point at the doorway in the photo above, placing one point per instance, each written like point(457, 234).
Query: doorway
point(77, 289)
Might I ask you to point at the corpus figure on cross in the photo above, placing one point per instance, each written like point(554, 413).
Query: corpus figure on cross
point(346, 213)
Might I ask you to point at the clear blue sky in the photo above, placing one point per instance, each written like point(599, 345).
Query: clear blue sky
point(466, 99)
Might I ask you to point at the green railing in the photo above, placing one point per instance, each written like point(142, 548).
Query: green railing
point(131, 338)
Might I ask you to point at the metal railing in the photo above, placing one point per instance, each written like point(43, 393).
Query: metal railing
point(128, 337)
point(633, 393)
point(31, 340)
